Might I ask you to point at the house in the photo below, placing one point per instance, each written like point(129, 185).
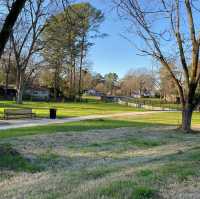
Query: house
point(11, 92)
point(136, 95)
point(93, 92)
point(172, 98)
point(145, 93)
point(148, 93)
point(37, 94)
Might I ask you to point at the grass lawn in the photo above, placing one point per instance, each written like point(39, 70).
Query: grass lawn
point(161, 118)
point(156, 102)
point(140, 121)
point(124, 163)
point(92, 107)
point(137, 157)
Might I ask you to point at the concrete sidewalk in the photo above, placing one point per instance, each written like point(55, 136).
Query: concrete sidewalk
point(11, 124)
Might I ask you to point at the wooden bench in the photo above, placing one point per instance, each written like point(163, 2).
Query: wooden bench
point(18, 113)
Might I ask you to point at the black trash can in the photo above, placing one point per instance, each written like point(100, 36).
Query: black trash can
point(52, 113)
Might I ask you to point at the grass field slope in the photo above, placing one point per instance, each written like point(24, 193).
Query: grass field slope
point(135, 157)
point(123, 163)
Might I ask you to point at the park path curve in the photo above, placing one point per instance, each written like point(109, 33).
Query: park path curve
point(19, 123)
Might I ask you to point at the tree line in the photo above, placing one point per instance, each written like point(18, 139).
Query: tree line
point(53, 40)
point(167, 30)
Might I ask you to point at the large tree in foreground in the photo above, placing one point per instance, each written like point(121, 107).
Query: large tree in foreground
point(12, 17)
point(9, 23)
point(169, 29)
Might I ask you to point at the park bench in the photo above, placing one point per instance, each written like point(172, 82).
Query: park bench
point(18, 113)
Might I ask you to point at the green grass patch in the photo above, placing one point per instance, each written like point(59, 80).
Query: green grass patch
point(145, 183)
point(95, 173)
point(142, 192)
point(156, 102)
point(140, 121)
point(92, 175)
point(48, 157)
point(117, 189)
point(71, 126)
point(126, 189)
point(182, 167)
point(142, 142)
point(161, 118)
point(145, 173)
point(154, 119)
point(68, 109)
point(12, 160)
point(120, 145)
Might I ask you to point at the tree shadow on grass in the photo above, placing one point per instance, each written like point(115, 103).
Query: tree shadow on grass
point(79, 126)
point(11, 159)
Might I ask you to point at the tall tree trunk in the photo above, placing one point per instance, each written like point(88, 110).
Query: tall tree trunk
point(55, 93)
point(6, 85)
point(20, 86)
point(55, 85)
point(19, 99)
point(187, 118)
point(81, 66)
point(74, 82)
point(80, 80)
point(188, 107)
point(71, 84)
point(10, 22)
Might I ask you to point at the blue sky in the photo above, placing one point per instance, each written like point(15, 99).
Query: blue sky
point(114, 53)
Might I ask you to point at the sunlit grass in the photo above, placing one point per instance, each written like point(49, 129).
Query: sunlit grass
point(140, 121)
point(161, 118)
point(156, 102)
point(70, 126)
point(92, 107)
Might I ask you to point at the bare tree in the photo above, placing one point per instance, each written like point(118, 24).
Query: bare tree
point(25, 41)
point(169, 28)
point(168, 92)
point(138, 81)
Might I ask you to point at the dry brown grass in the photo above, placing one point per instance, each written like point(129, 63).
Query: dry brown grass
point(84, 165)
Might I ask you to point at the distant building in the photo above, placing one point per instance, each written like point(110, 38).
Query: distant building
point(148, 94)
point(172, 98)
point(38, 94)
point(144, 94)
point(11, 92)
point(136, 95)
point(94, 92)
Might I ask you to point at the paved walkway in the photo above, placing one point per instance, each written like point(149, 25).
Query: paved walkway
point(11, 124)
